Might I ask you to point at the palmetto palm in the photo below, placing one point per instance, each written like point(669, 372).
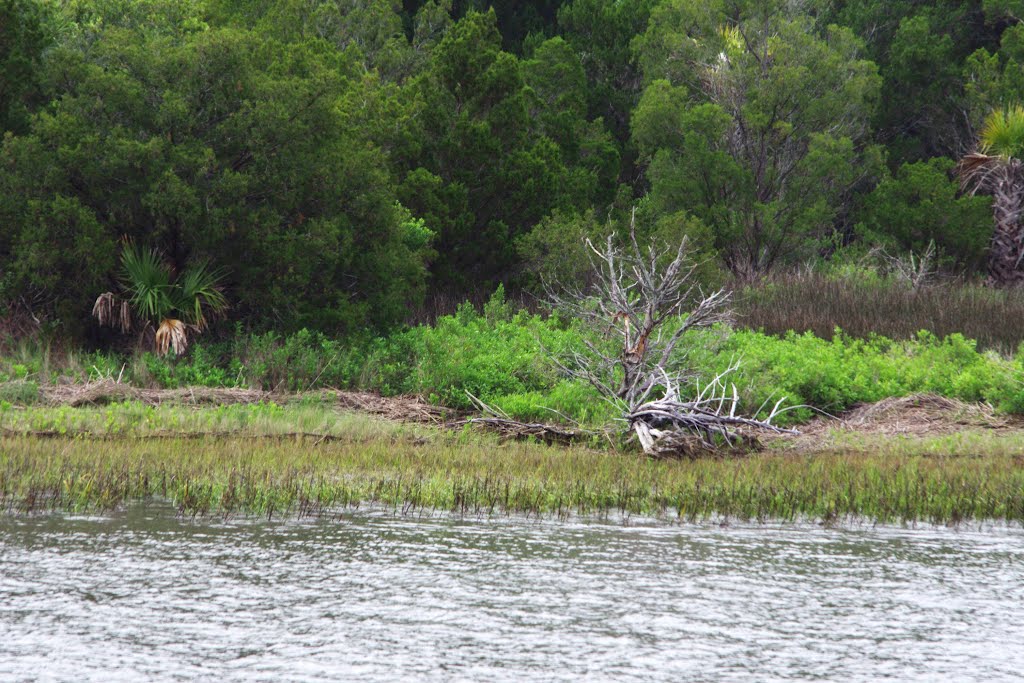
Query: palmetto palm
point(997, 168)
point(170, 306)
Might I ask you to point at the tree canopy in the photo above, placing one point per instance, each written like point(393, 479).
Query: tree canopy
point(340, 161)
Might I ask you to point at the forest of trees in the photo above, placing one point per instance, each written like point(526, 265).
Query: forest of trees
point(341, 160)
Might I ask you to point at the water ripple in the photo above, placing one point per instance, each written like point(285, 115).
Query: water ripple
point(372, 597)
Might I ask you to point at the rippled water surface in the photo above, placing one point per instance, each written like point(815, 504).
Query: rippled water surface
point(369, 596)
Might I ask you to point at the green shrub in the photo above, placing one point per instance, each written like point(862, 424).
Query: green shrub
point(490, 355)
point(19, 392)
point(833, 375)
point(573, 399)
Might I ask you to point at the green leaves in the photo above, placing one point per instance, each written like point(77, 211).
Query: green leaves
point(921, 204)
point(198, 296)
point(22, 40)
point(754, 120)
point(195, 295)
point(147, 280)
point(1003, 133)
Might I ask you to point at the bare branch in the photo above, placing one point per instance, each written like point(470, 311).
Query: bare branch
point(650, 298)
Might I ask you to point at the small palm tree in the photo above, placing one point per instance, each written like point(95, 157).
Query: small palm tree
point(997, 168)
point(171, 307)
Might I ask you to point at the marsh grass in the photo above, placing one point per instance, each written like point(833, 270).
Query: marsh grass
point(132, 419)
point(863, 307)
point(257, 466)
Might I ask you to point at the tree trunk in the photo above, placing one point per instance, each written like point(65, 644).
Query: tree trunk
point(1006, 253)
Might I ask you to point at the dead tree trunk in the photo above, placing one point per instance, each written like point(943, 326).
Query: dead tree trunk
point(646, 300)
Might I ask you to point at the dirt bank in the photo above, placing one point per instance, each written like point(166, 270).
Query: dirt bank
point(915, 416)
point(404, 408)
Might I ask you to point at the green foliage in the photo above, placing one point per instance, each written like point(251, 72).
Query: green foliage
point(148, 282)
point(833, 375)
point(555, 251)
point(499, 144)
point(204, 367)
point(69, 276)
point(754, 121)
point(209, 143)
point(600, 31)
point(302, 361)
point(490, 356)
point(1003, 133)
point(19, 392)
point(22, 40)
point(921, 204)
point(342, 160)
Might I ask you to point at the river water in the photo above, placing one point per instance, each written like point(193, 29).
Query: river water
point(142, 595)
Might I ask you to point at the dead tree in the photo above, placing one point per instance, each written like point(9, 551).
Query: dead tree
point(647, 300)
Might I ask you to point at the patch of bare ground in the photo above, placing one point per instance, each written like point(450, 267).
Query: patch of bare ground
point(917, 416)
point(402, 408)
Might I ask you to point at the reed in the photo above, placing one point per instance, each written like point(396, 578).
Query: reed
point(268, 470)
point(862, 307)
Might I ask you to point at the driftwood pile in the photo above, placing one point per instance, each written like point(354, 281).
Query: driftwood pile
point(499, 422)
point(672, 425)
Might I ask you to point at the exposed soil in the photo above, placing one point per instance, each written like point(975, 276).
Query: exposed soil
point(404, 408)
point(917, 416)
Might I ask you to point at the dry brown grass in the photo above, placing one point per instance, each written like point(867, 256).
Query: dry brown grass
point(820, 304)
point(917, 417)
point(401, 408)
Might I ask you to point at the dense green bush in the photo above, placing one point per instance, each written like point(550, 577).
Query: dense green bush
point(504, 359)
point(833, 375)
point(489, 355)
point(19, 392)
point(921, 204)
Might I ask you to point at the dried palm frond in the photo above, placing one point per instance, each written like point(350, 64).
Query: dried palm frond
point(125, 317)
point(974, 171)
point(103, 309)
point(112, 312)
point(171, 334)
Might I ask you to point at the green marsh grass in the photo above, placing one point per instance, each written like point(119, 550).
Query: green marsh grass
point(274, 463)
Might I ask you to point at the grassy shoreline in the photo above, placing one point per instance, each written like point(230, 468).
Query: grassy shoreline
point(306, 459)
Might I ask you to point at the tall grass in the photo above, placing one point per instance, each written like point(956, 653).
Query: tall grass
point(132, 419)
point(865, 306)
point(273, 477)
point(254, 470)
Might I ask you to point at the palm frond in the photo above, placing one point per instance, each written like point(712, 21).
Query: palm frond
point(148, 282)
point(103, 309)
point(1002, 134)
point(171, 334)
point(198, 295)
point(974, 170)
point(125, 317)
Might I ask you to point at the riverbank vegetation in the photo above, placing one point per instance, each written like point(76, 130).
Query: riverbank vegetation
point(310, 459)
point(503, 358)
point(320, 187)
point(343, 165)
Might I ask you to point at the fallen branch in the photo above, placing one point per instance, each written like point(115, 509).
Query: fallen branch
point(514, 429)
point(499, 421)
point(670, 425)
